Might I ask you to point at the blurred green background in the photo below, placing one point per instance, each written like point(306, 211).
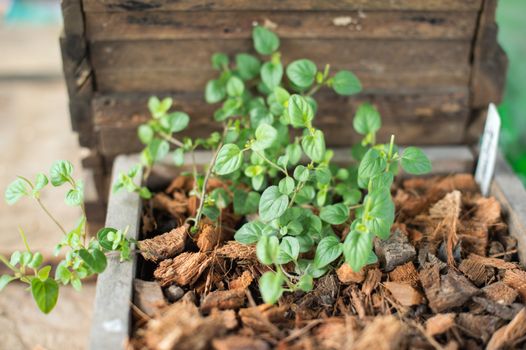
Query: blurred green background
point(512, 37)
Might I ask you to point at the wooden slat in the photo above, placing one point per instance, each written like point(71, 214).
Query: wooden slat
point(405, 25)
point(112, 316)
point(199, 5)
point(416, 118)
point(379, 56)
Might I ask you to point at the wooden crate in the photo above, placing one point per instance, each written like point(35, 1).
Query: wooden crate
point(111, 323)
point(431, 67)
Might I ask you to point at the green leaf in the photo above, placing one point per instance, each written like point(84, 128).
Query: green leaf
point(214, 91)
point(306, 283)
point(158, 149)
point(250, 232)
point(260, 115)
point(245, 203)
point(346, 83)
point(178, 157)
point(382, 213)
point(145, 193)
point(372, 164)
point(229, 159)
point(293, 151)
point(219, 60)
point(314, 146)
point(271, 287)
point(145, 133)
point(265, 42)
point(45, 294)
point(75, 196)
point(302, 73)
point(248, 66)
point(40, 182)
point(235, 87)
point(300, 112)
point(178, 121)
point(271, 74)
point(43, 273)
point(301, 173)
point(289, 250)
point(367, 119)
point(16, 190)
point(5, 280)
point(62, 273)
point(328, 250)
point(211, 212)
point(281, 95)
point(95, 260)
point(357, 248)
point(60, 172)
point(414, 161)
point(265, 137)
point(36, 261)
point(286, 185)
point(267, 249)
point(305, 195)
point(323, 175)
point(272, 204)
point(102, 237)
point(335, 214)
point(159, 108)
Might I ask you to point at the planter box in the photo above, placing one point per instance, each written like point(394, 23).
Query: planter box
point(112, 315)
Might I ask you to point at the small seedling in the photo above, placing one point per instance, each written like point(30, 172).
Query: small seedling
point(83, 257)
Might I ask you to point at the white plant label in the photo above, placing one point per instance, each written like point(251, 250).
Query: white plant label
point(488, 150)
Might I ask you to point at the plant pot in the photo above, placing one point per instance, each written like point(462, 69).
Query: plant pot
point(111, 325)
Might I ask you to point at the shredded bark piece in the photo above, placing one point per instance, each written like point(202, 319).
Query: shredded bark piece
point(184, 269)
point(516, 279)
point(237, 251)
point(475, 271)
point(148, 296)
point(506, 312)
point(176, 208)
point(334, 334)
point(165, 246)
point(242, 282)
point(509, 334)
point(371, 281)
point(446, 291)
point(193, 204)
point(346, 275)
point(479, 326)
point(208, 238)
point(445, 214)
point(487, 211)
point(500, 293)
point(223, 300)
point(405, 274)
point(404, 294)
point(394, 251)
point(262, 319)
point(383, 333)
point(237, 342)
point(440, 323)
point(182, 327)
point(493, 262)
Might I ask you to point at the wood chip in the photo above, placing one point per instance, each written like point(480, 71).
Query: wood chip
point(479, 326)
point(346, 275)
point(405, 274)
point(493, 262)
point(516, 279)
point(208, 238)
point(500, 293)
point(237, 251)
point(165, 246)
point(176, 208)
point(506, 312)
point(148, 296)
point(242, 282)
point(506, 336)
point(261, 319)
point(383, 333)
point(371, 281)
point(394, 251)
point(223, 300)
point(404, 294)
point(445, 214)
point(475, 271)
point(237, 342)
point(446, 291)
point(184, 269)
point(335, 333)
point(487, 211)
point(440, 323)
point(181, 183)
point(182, 327)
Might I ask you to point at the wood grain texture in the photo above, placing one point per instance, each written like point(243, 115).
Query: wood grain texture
point(73, 17)
point(415, 117)
point(405, 25)
point(112, 316)
point(316, 5)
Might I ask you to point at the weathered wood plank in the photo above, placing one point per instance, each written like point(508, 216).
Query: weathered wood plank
point(187, 80)
point(291, 24)
point(489, 60)
point(73, 18)
point(199, 5)
point(381, 56)
point(511, 194)
point(112, 315)
point(416, 118)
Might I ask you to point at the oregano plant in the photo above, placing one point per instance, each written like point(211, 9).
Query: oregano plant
point(305, 210)
point(83, 256)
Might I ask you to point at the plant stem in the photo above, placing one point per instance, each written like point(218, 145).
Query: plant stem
point(314, 89)
point(207, 176)
point(296, 190)
point(171, 139)
point(51, 216)
point(6, 262)
point(390, 153)
point(271, 163)
point(24, 239)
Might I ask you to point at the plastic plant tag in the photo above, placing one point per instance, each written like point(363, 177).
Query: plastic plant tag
point(488, 150)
